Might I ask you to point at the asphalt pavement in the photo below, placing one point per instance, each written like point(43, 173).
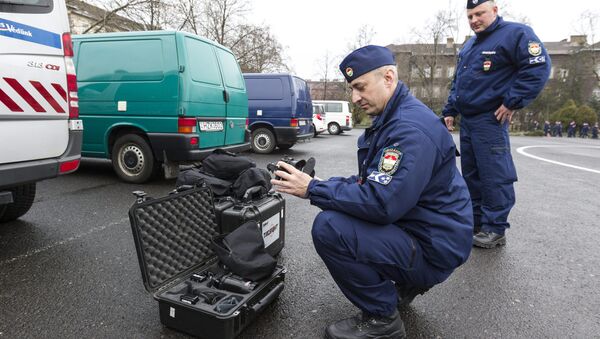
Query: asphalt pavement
point(69, 267)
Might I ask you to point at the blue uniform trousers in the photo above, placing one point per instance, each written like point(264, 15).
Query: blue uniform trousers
point(488, 169)
point(364, 258)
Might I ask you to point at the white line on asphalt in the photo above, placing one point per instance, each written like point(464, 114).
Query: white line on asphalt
point(62, 242)
point(521, 150)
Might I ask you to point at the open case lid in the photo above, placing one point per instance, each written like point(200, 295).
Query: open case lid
point(172, 234)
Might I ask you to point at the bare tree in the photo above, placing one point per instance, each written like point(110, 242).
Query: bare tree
point(426, 60)
point(190, 11)
point(148, 14)
point(220, 19)
point(364, 36)
point(257, 50)
point(324, 64)
point(589, 24)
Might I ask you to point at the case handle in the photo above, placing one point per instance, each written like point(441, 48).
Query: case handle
point(252, 192)
point(267, 299)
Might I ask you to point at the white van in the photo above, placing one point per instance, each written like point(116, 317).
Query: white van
point(338, 117)
point(40, 130)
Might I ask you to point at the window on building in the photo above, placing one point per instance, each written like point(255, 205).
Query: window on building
point(414, 91)
point(427, 72)
point(563, 73)
point(552, 73)
point(438, 72)
point(450, 72)
point(437, 92)
point(415, 72)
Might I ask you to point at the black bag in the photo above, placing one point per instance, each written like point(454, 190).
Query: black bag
point(243, 252)
point(195, 177)
point(226, 165)
point(252, 177)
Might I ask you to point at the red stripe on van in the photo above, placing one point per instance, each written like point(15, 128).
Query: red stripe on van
point(60, 91)
point(40, 88)
point(5, 99)
point(25, 95)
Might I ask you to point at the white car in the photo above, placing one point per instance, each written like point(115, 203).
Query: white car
point(338, 117)
point(40, 129)
point(318, 119)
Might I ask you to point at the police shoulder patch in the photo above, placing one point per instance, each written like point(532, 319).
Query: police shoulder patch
point(534, 48)
point(390, 160)
point(380, 178)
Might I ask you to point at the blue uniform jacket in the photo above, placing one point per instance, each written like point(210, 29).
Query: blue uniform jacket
point(505, 64)
point(425, 195)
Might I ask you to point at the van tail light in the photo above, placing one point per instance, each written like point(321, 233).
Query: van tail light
point(68, 166)
point(347, 120)
point(72, 97)
point(247, 122)
point(319, 117)
point(186, 125)
point(293, 122)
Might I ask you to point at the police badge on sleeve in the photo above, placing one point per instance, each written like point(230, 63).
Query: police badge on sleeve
point(390, 160)
point(534, 48)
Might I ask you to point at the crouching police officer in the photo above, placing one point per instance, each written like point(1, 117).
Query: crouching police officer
point(404, 223)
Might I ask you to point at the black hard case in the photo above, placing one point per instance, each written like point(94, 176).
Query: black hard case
point(172, 236)
point(268, 211)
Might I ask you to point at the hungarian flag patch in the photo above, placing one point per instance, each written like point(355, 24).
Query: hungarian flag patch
point(390, 160)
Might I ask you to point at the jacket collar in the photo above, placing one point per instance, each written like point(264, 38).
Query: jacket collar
point(497, 23)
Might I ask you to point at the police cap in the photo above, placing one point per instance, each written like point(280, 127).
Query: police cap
point(364, 60)
point(474, 3)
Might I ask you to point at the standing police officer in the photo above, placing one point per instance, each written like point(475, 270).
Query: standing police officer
point(501, 69)
point(404, 223)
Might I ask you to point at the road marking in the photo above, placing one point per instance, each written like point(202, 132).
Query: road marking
point(62, 242)
point(521, 150)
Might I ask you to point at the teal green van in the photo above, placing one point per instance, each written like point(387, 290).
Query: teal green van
point(154, 100)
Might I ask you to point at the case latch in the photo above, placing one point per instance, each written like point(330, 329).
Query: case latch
point(140, 196)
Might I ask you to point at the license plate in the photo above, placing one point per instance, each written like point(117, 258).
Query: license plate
point(301, 122)
point(210, 126)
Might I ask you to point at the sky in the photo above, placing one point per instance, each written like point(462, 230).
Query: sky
point(308, 29)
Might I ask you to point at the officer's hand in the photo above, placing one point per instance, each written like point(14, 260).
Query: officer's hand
point(449, 123)
point(503, 114)
point(293, 181)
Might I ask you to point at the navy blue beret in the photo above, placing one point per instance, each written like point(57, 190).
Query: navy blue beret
point(474, 3)
point(364, 60)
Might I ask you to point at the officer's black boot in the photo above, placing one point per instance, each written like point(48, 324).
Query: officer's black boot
point(488, 239)
point(367, 326)
point(407, 295)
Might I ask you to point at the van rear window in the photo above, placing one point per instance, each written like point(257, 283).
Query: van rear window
point(301, 90)
point(26, 6)
point(202, 61)
point(264, 89)
point(231, 70)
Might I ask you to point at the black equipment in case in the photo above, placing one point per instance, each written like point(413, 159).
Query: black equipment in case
point(195, 293)
point(267, 210)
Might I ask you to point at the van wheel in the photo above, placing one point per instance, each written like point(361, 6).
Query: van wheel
point(23, 197)
point(263, 141)
point(132, 159)
point(334, 128)
point(283, 147)
point(315, 131)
